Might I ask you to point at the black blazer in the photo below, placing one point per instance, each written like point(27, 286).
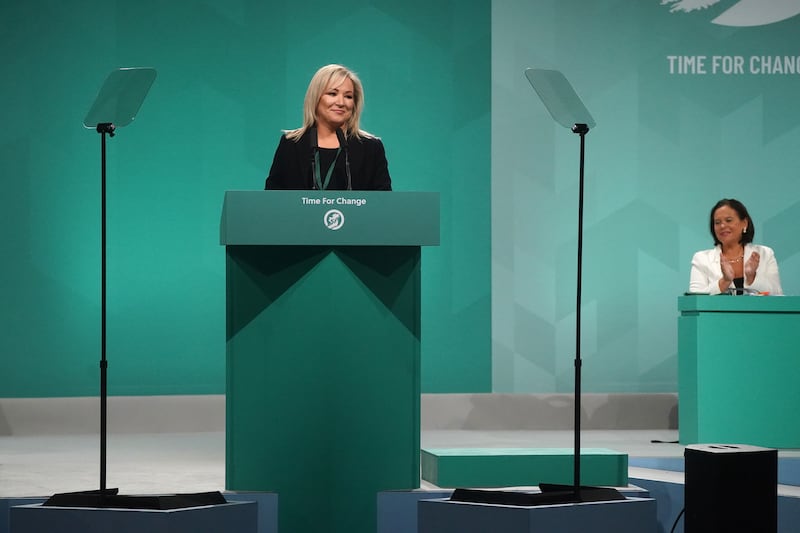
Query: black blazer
point(292, 166)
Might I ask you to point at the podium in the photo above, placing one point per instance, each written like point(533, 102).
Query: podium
point(323, 349)
point(738, 371)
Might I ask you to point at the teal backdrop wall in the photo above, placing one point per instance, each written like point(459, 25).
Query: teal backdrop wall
point(231, 75)
point(676, 131)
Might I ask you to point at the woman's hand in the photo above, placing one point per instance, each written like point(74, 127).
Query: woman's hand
point(727, 275)
point(750, 268)
point(727, 270)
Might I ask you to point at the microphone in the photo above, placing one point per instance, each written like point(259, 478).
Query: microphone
point(343, 145)
point(736, 291)
point(312, 135)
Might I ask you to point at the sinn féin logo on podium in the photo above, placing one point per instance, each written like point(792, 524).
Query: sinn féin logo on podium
point(743, 12)
point(333, 219)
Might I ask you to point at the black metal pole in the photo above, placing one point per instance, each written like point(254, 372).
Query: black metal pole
point(582, 130)
point(103, 129)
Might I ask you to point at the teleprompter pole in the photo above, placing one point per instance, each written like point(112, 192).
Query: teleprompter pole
point(103, 129)
point(582, 130)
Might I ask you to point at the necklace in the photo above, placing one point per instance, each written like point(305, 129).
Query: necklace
point(732, 260)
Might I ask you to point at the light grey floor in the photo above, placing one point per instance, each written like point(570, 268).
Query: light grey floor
point(161, 463)
point(165, 463)
point(636, 443)
point(168, 463)
point(173, 444)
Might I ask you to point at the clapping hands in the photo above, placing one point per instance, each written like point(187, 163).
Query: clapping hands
point(750, 268)
point(727, 270)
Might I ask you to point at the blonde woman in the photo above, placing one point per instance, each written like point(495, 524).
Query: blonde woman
point(330, 150)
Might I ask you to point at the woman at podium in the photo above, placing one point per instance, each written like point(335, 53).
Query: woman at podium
point(735, 264)
point(330, 150)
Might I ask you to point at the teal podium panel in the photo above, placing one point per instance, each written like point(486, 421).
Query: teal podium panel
point(323, 352)
point(738, 370)
point(521, 467)
point(331, 218)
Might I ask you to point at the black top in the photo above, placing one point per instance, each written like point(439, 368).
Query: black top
point(738, 283)
point(292, 166)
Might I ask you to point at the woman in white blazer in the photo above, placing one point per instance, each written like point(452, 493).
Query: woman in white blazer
point(734, 262)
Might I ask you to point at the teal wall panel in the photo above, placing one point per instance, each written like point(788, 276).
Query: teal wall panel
point(666, 147)
point(231, 76)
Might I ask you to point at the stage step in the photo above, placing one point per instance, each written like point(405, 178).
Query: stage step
point(521, 467)
point(398, 510)
point(235, 517)
point(245, 512)
point(788, 467)
point(619, 516)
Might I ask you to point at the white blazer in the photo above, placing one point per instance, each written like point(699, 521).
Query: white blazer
point(706, 271)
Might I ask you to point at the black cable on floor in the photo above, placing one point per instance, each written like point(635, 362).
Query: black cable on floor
point(676, 520)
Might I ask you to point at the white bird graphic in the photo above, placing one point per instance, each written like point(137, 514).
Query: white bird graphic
point(687, 6)
point(742, 13)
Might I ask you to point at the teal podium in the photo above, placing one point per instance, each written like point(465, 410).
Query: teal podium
point(323, 349)
point(738, 370)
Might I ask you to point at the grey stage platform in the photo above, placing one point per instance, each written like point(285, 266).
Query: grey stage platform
point(161, 445)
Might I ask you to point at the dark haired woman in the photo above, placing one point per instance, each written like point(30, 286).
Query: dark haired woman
point(735, 263)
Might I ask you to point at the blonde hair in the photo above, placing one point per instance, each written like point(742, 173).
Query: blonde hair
point(331, 76)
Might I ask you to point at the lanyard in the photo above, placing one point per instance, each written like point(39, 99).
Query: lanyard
point(317, 181)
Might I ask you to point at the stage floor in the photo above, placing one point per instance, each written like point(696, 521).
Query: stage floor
point(170, 444)
point(40, 465)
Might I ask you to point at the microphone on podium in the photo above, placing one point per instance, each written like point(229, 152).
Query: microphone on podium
point(343, 145)
point(312, 136)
